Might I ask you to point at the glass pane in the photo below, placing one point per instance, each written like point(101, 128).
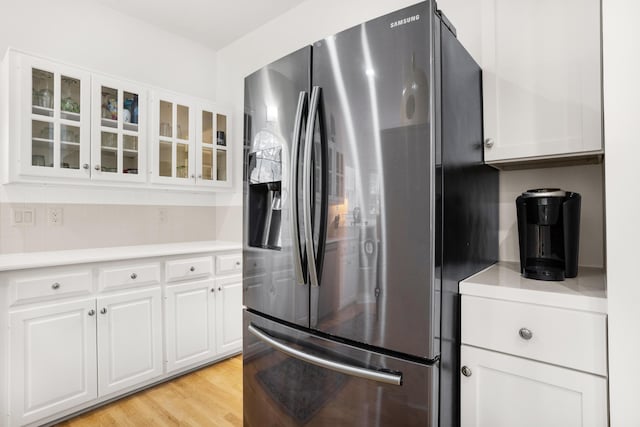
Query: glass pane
point(70, 98)
point(207, 127)
point(130, 112)
point(166, 118)
point(41, 143)
point(221, 163)
point(42, 92)
point(130, 142)
point(69, 156)
point(69, 134)
point(109, 106)
point(221, 133)
point(109, 152)
point(207, 163)
point(165, 158)
point(182, 130)
point(182, 160)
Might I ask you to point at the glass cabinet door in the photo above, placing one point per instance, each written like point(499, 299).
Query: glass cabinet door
point(119, 125)
point(175, 139)
point(58, 120)
point(212, 159)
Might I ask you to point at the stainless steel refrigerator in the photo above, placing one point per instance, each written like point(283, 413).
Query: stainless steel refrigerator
point(366, 202)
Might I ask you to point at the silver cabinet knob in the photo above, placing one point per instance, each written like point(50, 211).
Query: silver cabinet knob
point(192, 176)
point(213, 289)
point(97, 167)
point(104, 310)
point(488, 142)
point(238, 263)
point(192, 268)
point(466, 371)
point(200, 176)
point(85, 166)
point(55, 286)
point(134, 276)
point(91, 312)
point(219, 289)
point(525, 334)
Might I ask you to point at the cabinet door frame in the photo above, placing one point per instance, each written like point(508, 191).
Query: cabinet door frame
point(225, 286)
point(215, 111)
point(24, 65)
point(120, 130)
point(588, 141)
point(174, 331)
point(107, 384)
point(20, 415)
point(593, 388)
point(156, 97)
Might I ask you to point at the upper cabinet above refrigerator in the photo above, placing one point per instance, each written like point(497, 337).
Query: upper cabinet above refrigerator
point(542, 79)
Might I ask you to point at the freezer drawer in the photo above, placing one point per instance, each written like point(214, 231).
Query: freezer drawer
point(293, 378)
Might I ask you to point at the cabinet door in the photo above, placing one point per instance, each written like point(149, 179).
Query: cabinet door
point(129, 339)
point(55, 107)
point(174, 136)
point(541, 78)
point(212, 157)
point(190, 323)
point(53, 359)
point(119, 123)
point(507, 391)
point(229, 314)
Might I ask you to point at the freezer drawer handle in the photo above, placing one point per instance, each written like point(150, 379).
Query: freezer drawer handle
point(369, 374)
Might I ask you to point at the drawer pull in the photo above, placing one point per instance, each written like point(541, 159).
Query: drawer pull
point(104, 310)
point(192, 268)
point(134, 276)
point(55, 286)
point(466, 371)
point(525, 334)
point(91, 312)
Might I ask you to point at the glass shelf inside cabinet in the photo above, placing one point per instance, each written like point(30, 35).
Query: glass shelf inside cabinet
point(221, 165)
point(42, 143)
point(130, 154)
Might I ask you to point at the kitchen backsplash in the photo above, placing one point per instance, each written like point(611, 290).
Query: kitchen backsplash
point(91, 226)
point(585, 179)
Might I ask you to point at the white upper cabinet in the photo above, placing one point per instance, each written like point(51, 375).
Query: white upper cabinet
point(66, 125)
point(52, 120)
point(542, 79)
point(119, 125)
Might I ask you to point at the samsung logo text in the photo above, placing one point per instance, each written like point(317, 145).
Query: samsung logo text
point(404, 21)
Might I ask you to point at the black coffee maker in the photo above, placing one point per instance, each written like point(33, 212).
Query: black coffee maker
point(549, 232)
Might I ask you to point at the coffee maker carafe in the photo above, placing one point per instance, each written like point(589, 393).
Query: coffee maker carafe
point(548, 231)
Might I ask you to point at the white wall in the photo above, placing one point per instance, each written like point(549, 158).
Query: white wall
point(86, 33)
point(621, 48)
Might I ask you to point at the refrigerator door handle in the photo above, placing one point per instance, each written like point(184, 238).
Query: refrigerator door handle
point(356, 371)
point(306, 186)
point(293, 189)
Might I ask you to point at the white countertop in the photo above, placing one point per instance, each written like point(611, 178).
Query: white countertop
point(21, 261)
point(587, 292)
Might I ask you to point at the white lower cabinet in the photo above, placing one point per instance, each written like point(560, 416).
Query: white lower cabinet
point(190, 323)
point(53, 359)
point(129, 339)
point(498, 390)
point(67, 352)
point(229, 314)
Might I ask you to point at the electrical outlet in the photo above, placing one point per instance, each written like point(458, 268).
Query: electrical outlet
point(54, 216)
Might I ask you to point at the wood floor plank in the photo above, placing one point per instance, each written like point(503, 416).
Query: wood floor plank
point(211, 396)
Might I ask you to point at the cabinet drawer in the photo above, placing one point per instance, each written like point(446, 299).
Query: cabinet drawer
point(189, 268)
point(129, 276)
point(575, 339)
point(33, 287)
point(230, 263)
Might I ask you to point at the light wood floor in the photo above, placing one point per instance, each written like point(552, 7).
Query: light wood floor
point(209, 397)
